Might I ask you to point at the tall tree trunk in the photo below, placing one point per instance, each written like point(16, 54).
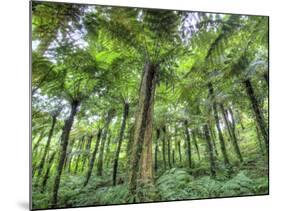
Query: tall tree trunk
point(240, 119)
point(188, 145)
point(87, 152)
point(47, 146)
point(164, 147)
point(156, 150)
point(130, 145)
point(93, 158)
point(46, 176)
point(62, 152)
point(213, 138)
point(257, 111)
point(107, 150)
point(109, 117)
point(169, 150)
point(142, 150)
point(68, 155)
point(221, 139)
point(119, 142)
point(195, 143)
point(80, 149)
point(232, 134)
point(210, 151)
point(179, 150)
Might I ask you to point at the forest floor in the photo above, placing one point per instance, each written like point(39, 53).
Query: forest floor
point(248, 178)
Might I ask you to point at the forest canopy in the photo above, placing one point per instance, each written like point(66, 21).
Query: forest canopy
point(137, 105)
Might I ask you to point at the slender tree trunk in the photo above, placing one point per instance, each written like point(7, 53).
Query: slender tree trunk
point(257, 111)
point(213, 139)
point(156, 150)
point(173, 156)
point(93, 158)
point(164, 147)
point(188, 145)
point(130, 145)
point(221, 139)
point(109, 117)
point(47, 146)
point(232, 134)
point(119, 142)
point(142, 150)
point(80, 148)
point(195, 143)
point(210, 151)
point(179, 150)
point(46, 176)
point(87, 152)
point(68, 155)
point(240, 120)
point(36, 145)
point(107, 150)
point(169, 150)
point(62, 153)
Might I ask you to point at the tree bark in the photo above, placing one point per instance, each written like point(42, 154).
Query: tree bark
point(93, 158)
point(169, 150)
point(257, 111)
point(210, 151)
point(142, 150)
point(221, 139)
point(46, 176)
point(47, 146)
point(109, 117)
point(80, 148)
point(164, 147)
point(87, 152)
point(195, 143)
point(156, 150)
point(188, 145)
point(119, 142)
point(62, 153)
point(232, 134)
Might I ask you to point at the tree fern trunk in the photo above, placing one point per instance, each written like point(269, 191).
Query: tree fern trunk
point(221, 139)
point(119, 142)
point(47, 146)
point(93, 158)
point(62, 153)
point(142, 150)
point(257, 111)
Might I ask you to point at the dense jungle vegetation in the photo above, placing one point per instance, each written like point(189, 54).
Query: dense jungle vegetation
point(138, 105)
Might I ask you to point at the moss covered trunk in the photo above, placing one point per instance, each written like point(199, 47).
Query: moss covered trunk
point(142, 148)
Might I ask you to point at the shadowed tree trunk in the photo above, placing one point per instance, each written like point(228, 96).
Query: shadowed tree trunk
point(257, 111)
point(130, 145)
point(93, 158)
point(47, 146)
point(80, 148)
point(210, 151)
point(169, 150)
point(164, 147)
point(221, 139)
point(232, 133)
point(119, 142)
point(87, 152)
point(109, 117)
point(156, 150)
point(213, 139)
point(240, 119)
point(107, 150)
point(195, 143)
point(62, 152)
point(188, 145)
point(142, 149)
point(46, 176)
point(68, 155)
